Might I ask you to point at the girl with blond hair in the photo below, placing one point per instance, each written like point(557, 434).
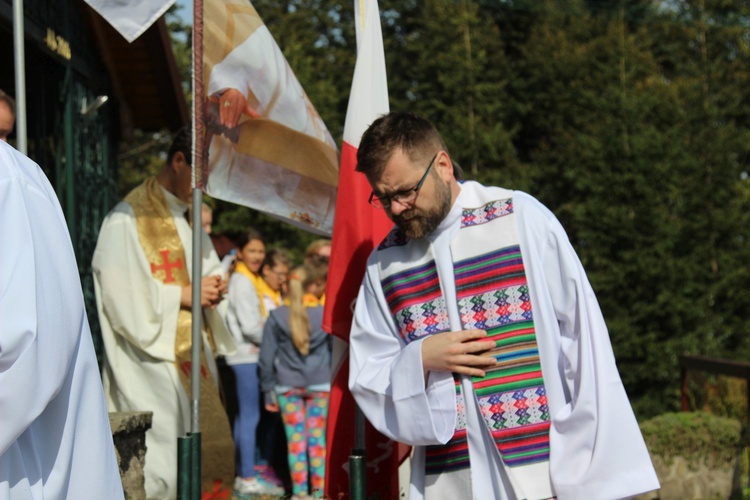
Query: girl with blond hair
point(294, 366)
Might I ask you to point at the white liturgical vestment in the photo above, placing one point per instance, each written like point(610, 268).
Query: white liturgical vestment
point(138, 316)
point(595, 448)
point(55, 439)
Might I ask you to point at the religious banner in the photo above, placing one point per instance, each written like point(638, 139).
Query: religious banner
point(358, 228)
point(267, 147)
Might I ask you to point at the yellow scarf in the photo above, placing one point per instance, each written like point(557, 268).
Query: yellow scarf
point(310, 300)
point(157, 234)
point(261, 287)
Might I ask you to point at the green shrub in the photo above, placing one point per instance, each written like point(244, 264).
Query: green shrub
point(696, 436)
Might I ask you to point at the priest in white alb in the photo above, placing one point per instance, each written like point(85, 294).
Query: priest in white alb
point(477, 338)
point(55, 438)
point(142, 269)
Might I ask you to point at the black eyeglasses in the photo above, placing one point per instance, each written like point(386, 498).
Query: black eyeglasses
point(405, 197)
point(281, 275)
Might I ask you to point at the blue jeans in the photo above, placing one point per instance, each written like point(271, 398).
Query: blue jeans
point(248, 414)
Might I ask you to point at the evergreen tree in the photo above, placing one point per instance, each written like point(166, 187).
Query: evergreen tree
point(628, 119)
point(708, 69)
point(445, 61)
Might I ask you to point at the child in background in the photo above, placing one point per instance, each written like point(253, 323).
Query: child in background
point(274, 271)
point(295, 374)
point(318, 250)
point(271, 451)
point(246, 315)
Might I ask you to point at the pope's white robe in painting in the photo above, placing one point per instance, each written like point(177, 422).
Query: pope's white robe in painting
point(138, 317)
point(55, 439)
point(257, 68)
point(596, 448)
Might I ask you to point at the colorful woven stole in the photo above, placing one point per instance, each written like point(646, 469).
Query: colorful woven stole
point(161, 243)
point(493, 295)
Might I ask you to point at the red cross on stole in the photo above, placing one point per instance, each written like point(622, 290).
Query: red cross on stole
point(167, 266)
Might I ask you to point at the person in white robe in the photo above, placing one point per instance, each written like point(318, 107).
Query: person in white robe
point(140, 316)
point(478, 339)
point(55, 438)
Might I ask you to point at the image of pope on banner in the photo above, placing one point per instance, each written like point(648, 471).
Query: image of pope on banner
point(268, 148)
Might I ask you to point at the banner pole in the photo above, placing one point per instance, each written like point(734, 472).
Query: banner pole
point(189, 465)
point(197, 341)
point(196, 347)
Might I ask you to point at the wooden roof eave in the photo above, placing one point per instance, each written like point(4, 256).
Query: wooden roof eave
point(144, 76)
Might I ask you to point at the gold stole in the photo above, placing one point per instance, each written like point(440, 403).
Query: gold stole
point(161, 243)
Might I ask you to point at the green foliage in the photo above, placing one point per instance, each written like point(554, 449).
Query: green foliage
point(460, 86)
point(181, 35)
point(695, 436)
point(628, 117)
point(141, 155)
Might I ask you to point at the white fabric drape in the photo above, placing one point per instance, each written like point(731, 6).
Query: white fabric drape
point(55, 439)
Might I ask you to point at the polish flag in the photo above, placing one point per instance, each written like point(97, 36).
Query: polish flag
point(358, 228)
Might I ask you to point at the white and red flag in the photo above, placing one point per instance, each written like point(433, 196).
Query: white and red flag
point(358, 227)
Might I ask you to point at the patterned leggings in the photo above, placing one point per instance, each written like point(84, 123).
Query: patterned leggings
point(304, 413)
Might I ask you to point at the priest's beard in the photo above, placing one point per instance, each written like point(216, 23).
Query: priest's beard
point(417, 223)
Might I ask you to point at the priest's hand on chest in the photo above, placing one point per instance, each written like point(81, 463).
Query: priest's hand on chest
point(459, 352)
point(213, 290)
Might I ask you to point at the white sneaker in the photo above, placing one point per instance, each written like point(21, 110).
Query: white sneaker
point(270, 488)
point(253, 486)
point(249, 487)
